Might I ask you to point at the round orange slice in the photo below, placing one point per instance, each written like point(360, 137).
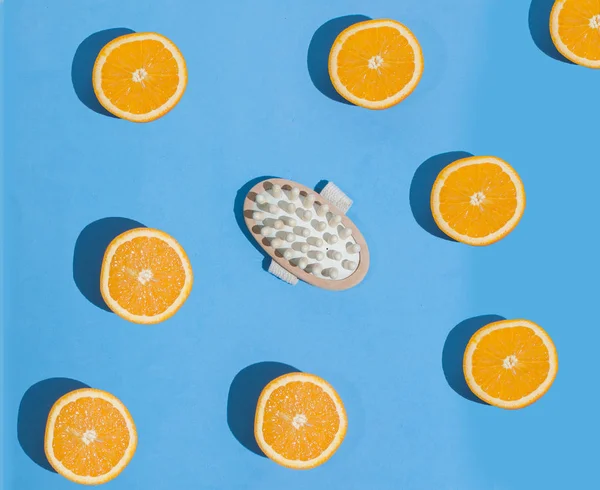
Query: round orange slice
point(90, 436)
point(140, 76)
point(575, 30)
point(478, 200)
point(300, 421)
point(510, 363)
point(146, 276)
point(375, 63)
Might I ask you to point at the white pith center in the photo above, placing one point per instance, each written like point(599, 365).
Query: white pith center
point(139, 75)
point(145, 276)
point(300, 420)
point(510, 362)
point(375, 62)
point(89, 436)
point(477, 199)
point(595, 22)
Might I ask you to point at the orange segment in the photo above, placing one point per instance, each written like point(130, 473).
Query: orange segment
point(511, 363)
point(478, 200)
point(300, 421)
point(375, 63)
point(146, 276)
point(575, 30)
point(90, 436)
point(139, 77)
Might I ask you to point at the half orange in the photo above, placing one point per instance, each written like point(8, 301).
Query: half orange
point(300, 421)
point(478, 200)
point(90, 436)
point(510, 363)
point(140, 76)
point(146, 276)
point(575, 30)
point(376, 63)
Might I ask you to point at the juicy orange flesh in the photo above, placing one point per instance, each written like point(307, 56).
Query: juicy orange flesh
point(375, 84)
point(110, 434)
point(159, 82)
point(575, 29)
point(310, 440)
point(524, 373)
point(479, 219)
point(146, 276)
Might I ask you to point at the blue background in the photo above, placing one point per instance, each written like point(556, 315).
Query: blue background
point(255, 105)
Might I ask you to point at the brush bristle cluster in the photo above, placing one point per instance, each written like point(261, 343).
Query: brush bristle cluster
point(301, 228)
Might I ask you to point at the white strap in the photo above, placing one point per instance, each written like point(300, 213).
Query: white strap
point(336, 196)
point(282, 274)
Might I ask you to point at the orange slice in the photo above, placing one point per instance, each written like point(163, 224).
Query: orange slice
point(478, 200)
point(90, 436)
point(510, 364)
point(575, 30)
point(375, 63)
point(146, 276)
point(300, 421)
point(140, 76)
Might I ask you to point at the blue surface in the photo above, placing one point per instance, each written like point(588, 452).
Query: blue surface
point(492, 85)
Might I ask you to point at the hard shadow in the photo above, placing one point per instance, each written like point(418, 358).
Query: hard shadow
point(318, 54)
point(238, 211)
point(539, 28)
point(454, 350)
point(89, 252)
point(83, 65)
point(33, 415)
point(421, 186)
point(244, 391)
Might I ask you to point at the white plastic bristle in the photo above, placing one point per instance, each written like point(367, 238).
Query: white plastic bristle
point(301, 231)
point(258, 216)
point(277, 242)
point(344, 233)
point(335, 220)
point(331, 239)
point(353, 248)
point(287, 253)
point(269, 208)
point(315, 241)
point(288, 221)
point(349, 265)
point(305, 215)
point(288, 207)
point(308, 201)
point(301, 262)
point(266, 231)
point(260, 199)
point(316, 254)
point(318, 225)
point(290, 237)
point(300, 247)
point(322, 209)
point(274, 223)
point(334, 255)
point(276, 190)
point(332, 273)
point(315, 268)
point(293, 193)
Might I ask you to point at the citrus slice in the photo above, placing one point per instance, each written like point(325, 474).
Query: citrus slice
point(510, 363)
point(90, 436)
point(575, 30)
point(477, 200)
point(146, 276)
point(375, 63)
point(140, 76)
point(300, 421)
